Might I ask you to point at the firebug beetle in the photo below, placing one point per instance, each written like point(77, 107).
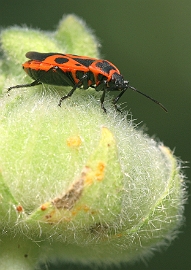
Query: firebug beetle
point(76, 71)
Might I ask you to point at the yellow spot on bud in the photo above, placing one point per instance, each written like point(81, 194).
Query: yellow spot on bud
point(99, 173)
point(74, 141)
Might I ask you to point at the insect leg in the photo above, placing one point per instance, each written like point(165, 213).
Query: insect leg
point(67, 96)
point(115, 100)
point(80, 83)
point(36, 82)
point(102, 101)
point(102, 87)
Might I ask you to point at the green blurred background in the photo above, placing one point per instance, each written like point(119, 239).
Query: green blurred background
point(150, 42)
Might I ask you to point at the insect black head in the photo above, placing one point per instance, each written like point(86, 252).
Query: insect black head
point(118, 82)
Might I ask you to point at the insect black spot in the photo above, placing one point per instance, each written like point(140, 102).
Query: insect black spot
point(105, 66)
point(78, 65)
point(61, 60)
point(84, 61)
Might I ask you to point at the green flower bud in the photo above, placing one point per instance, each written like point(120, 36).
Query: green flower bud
point(77, 184)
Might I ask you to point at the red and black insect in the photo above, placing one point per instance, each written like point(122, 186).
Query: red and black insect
point(76, 71)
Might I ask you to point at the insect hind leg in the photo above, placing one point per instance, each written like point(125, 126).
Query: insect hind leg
point(36, 82)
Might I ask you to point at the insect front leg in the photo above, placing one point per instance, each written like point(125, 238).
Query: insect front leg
point(115, 100)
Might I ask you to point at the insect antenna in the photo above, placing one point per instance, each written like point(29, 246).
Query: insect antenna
point(154, 100)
